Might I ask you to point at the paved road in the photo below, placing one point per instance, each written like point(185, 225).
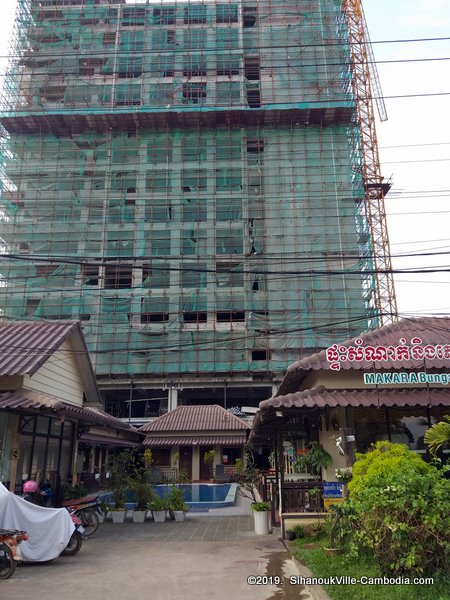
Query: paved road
point(200, 559)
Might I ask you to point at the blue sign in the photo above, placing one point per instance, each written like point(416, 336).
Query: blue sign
point(333, 489)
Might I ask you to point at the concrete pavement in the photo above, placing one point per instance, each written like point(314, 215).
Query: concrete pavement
point(202, 559)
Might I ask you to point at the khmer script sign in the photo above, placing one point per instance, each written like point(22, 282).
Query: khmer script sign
point(336, 354)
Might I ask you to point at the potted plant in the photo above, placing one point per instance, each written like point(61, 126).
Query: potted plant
point(261, 512)
point(119, 474)
point(177, 504)
point(142, 494)
point(313, 460)
point(105, 508)
point(159, 508)
point(208, 459)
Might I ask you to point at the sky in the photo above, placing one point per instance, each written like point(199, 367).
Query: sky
point(414, 142)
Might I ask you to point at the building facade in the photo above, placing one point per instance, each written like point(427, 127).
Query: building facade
point(186, 179)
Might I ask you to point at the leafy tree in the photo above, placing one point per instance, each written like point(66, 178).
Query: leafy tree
point(438, 436)
point(400, 507)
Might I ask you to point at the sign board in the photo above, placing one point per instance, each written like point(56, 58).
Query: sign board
point(333, 493)
point(333, 489)
point(327, 502)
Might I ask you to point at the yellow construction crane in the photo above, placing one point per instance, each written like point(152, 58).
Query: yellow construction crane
point(366, 88)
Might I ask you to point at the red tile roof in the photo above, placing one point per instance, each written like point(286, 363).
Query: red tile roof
point(320, 397)
point(196, 418)
point(27, 345)
point(30, 400)
point(189, 440)
point(433, 331)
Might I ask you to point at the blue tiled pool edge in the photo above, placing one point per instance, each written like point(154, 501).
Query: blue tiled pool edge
point(229, 500)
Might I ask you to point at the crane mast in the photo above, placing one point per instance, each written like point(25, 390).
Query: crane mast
point(366, 88)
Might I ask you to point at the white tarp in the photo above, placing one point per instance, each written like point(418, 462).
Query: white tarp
point(49, 529)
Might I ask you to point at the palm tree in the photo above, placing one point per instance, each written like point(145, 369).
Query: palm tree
point(438, 435)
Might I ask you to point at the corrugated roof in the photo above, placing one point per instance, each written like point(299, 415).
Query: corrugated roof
point(431, 331)
point(196, 418)
point(217, 440)
point(30, 400)
point(27, 345)
point(320, 397)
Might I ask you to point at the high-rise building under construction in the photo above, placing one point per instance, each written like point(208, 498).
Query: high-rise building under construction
point(198, 183)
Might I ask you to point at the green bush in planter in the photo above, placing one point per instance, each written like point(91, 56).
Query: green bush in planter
point(142, 492)
point(261, 506)
point(158, 503)
point(175, 500)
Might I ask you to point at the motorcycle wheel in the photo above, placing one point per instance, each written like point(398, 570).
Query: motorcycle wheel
point(7, 562)
point(74, 544)
point(90, 521)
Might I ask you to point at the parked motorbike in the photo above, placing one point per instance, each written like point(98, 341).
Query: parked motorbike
point(9, 550)
point(87, 510)
point(76, 539)
point(51, 531)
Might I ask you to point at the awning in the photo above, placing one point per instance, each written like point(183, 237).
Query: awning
point(320, 397)
point(29, 400)
point(216, 440)
point(107, 440)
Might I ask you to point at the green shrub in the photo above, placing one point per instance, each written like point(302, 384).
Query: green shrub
point(298, 531)
point(400, 507)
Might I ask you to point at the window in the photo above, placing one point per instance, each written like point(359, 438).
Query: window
point(158, 181)
point(194, 179)
point(194, 39)
point(161, 456)
point(90, 274)
point(194, 93)
point(194, 149)
point(229, 241)
point(159, 151)
point(226, 13)
point(194, 65)
point(129, 66)
point(252, 72)
point(195, 14)
point(260, 355)
point(249, 16)
point(31, 306)
point(131, 41)
point(227, 38)
point(229, 274)
point(231, 316)
point(228, 179)
point(133, 16)
point(228, 65)
point(253, 98)
point(194, 209)
point(163, 39)
point(194, 242)
point(194, 275)
point(118, 278)
point(164, 16)
point(228, 92)
point(154, 310)
point(128, 95)
point(163, 65)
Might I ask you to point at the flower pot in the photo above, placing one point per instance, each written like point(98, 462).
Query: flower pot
point(118, 516)
point(139, 516)
point(159, 516)
point(261, 522)
point(179, 515)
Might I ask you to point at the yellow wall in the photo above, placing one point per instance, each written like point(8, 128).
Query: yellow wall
point(59, 377)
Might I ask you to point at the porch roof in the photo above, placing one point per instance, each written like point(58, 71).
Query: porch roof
point(322, 398)
point(212, 440)
point(25, 400)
